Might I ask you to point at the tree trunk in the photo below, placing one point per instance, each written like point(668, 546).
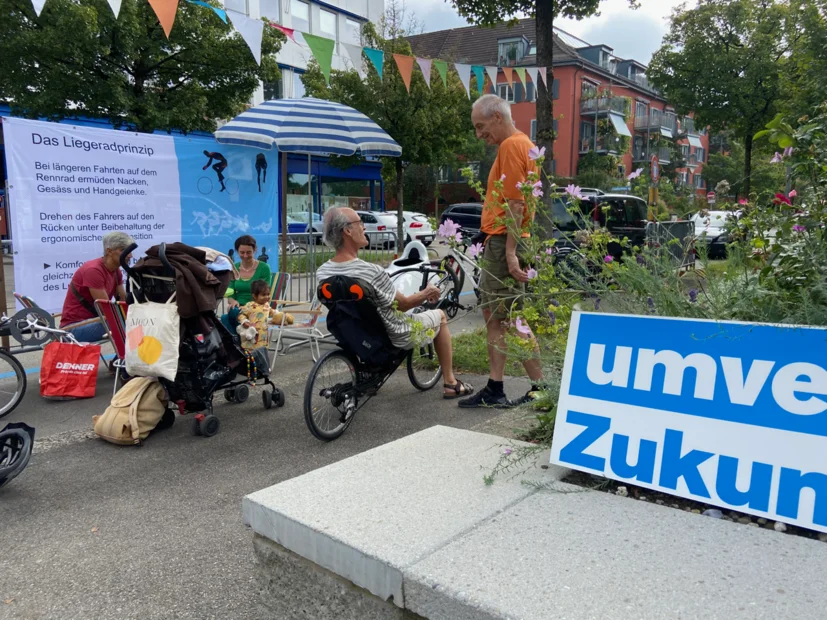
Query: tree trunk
point(747, 162)
point(400, 186)
point(545, 109)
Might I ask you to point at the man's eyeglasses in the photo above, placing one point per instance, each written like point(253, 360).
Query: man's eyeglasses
point(360, 222)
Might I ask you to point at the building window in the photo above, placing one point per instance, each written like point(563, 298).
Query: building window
point(699, 155)
point(588, 91)
point(621, 170)
point(533, 130)
point(531, 92)
point(301, 15)
point(239, 6)
point(444, 174)
point(699, 181)
point(655, 117)
point(298, 87)
point(505, 92)
point(271, 9)
point(685, 152)
point(519, 93)
point(352, 32)
point(640, 109)
point(510, 51)
point(586, 136)
point(273, 90)
point(683, 178)
point(327, 23)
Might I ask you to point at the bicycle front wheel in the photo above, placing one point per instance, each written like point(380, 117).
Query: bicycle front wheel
point(12, 383)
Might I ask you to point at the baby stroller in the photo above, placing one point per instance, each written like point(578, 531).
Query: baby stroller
point(210, 357)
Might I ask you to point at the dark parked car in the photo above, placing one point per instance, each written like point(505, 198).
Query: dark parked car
point(467, 214)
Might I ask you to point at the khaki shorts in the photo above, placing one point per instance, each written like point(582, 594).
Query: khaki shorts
point(495, 294)
point(430, 319)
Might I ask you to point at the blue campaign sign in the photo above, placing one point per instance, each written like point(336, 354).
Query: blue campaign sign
point(727, 413)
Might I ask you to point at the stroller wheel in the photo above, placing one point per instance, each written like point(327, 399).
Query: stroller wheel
point(278, 397)
point(229, 395)
point(267, 398)
point(210, 425)
point(242, 393)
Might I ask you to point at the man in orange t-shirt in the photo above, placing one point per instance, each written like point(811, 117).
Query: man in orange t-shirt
point(505, 221)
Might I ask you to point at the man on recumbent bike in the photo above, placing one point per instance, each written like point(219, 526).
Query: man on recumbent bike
point(345, 233)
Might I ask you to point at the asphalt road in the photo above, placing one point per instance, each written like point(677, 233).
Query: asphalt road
point(95, 531)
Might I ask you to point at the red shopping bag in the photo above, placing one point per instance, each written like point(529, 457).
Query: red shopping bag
point(69, 370)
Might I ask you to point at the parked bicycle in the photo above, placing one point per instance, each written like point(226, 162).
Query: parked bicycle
point(462, 266)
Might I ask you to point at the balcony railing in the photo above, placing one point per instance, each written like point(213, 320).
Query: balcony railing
point(600, 105)
point(688, 126)
point(655, 123)
point(639, 155)
point(609, 144)
point(664, 155)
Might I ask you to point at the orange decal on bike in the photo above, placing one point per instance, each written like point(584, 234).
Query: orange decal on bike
point(357, 290)
point(325, 292)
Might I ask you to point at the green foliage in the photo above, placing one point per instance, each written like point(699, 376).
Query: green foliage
point(766, 178)
point(722, 60)
point(77, 59)
point(805, 70)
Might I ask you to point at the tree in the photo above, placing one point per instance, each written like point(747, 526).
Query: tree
point(430, 124)
point(766, 178)
point(723, 60)
point(805, 71)
point(77, 59)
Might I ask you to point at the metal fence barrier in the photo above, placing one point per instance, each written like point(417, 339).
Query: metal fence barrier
point(675, 238)
point(306, 253)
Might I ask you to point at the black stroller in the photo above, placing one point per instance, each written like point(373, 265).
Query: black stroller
point(210, 357)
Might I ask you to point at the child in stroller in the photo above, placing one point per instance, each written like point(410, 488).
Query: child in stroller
point(209, 359)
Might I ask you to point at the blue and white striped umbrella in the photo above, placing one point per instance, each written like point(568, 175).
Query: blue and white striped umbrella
point(308, 126)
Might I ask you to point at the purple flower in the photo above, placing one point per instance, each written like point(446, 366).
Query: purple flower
point(640, 260)
point(458, 237)
point(475, 250)
point(776, 159)
point(523, 328)
point(535, 153)
point(502, 178)
point(574, 192)
point(537, 192)
point(507, 451)
point(651, 304)
point(531, 273)
point(608, 259)
point(788, 152)
point(635, 174)
point(596, 304)
point(448, 228)
point(555, 303)
point(549, 251)
point(799, 228)
point(552, 317)
point(693, 295)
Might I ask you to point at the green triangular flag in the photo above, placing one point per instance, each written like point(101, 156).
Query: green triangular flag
point(377, 57)
point(442, 67)
point(521, 74)
point(322, 50)
point(478, 73)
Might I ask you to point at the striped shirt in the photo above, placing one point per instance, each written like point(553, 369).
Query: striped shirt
point(382, 294)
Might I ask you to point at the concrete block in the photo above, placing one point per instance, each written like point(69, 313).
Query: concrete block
point(591, 555)
point(368, 517)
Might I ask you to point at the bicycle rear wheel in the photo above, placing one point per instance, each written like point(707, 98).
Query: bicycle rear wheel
point(12, 383)
point(330, 401)
point(423, 367)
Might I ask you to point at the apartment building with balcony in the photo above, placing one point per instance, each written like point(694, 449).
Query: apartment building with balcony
point(340, 20)
point(605, 105)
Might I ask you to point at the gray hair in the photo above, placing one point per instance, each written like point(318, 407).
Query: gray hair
point(116, 241)
point(487, 105)
point(335, 222)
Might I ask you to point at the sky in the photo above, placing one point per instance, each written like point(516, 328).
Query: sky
point(633, 34)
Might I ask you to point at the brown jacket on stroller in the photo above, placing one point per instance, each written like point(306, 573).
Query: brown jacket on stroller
point(197, 289)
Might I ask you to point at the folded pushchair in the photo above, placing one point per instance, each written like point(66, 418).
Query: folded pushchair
point(210, 357)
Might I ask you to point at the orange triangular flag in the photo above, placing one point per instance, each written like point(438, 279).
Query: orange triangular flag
point(165, 10)
point(509, 75)
point(405, 64)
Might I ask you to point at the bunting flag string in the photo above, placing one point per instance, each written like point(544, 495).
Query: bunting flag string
point(479, 73)
point(165, 10)
point(425, 66)
point(38, 6)
point(492, 76)
point(442, 68)
point(544, 76)
point(354, 52)
point(377, 57)
point(322, 50)
point(115, 5)
point(405, 65)
point(288, 32)
point(532, 73)
point(509, 76)
point(222, 14)
point(251, 30)
point(464, 72)
point(520, 71)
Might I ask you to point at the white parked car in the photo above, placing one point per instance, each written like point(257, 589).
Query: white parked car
point(379, 227)
point(418, 228)
point(710, 229)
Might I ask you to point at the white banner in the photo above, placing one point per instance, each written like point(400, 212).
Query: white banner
point(69, 186)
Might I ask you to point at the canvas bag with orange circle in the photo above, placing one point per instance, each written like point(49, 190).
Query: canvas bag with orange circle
point(152, 339)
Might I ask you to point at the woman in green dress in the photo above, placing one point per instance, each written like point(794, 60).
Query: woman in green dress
point(249, 269)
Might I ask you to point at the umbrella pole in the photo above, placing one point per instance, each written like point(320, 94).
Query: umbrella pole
point(283, 214)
